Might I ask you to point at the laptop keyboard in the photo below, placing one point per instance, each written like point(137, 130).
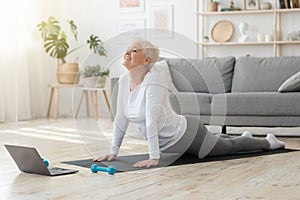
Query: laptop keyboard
point(55, 169)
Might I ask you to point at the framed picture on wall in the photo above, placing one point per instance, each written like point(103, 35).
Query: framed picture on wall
point(252, 4)
point(130, 5)
point(130, 28)
point(161, 20)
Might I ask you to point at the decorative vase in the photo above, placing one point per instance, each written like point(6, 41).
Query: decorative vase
point(95, 82)
point(68, 73)
point(243, 27)
point(212, 7)
point(265, 6)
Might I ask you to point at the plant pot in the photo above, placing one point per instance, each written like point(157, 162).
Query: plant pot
point(68, 73)
point(95, 82)
point(212, 7)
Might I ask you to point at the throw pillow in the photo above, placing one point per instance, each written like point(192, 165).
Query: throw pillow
point(292, 84)
point(162, 68)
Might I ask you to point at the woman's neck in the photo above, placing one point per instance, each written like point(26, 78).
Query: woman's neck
point(137, 76)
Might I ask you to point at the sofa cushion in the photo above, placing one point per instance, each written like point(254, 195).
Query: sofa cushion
point(162, 68)
point(253, 121)
point(210, 75)
point(256, 104)
point(190, 103)
point(291, 85)
point(253, 74)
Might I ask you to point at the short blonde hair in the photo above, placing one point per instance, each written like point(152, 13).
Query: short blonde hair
point(148, 49)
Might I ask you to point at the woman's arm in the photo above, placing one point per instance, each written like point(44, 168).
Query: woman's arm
point(121, 122)
point(119, 128)
point(156, 95)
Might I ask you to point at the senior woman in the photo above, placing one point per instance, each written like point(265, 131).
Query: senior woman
point(143, 99)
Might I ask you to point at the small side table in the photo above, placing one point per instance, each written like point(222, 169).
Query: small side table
point(54, 91)
point(94, 93)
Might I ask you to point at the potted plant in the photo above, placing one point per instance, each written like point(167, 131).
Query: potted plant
point(212, 5)
point(95, 76)
point(205, 39)
point(57, 46)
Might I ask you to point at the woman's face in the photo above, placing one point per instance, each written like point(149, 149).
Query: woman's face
point(134, 57)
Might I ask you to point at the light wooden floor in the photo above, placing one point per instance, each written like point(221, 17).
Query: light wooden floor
point(266, 177)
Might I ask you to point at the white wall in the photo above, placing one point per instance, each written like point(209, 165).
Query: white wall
point(100, 17)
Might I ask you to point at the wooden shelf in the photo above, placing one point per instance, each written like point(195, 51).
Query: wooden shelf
point(287, 42)
point(235, 43)
point(288, 10)
point(245, 12)
point(246, 43)
point(237, 12)
point(276, 13)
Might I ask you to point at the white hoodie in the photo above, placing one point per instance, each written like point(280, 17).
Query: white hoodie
point(148, 107)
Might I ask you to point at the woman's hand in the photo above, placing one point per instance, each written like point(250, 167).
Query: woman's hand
point(146, 163)
point(108, 157)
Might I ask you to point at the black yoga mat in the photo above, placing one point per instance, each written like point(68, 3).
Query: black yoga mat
point(124, 163)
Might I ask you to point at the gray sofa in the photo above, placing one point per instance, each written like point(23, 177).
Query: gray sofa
point(233, 91)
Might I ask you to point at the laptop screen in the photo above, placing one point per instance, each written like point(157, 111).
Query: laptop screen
point(27, 159)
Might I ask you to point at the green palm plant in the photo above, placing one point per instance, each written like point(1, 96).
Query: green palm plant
point(55, 40)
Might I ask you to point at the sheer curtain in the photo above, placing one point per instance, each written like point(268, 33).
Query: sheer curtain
point(21, 75)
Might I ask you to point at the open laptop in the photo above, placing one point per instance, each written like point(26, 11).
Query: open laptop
point(28, 160)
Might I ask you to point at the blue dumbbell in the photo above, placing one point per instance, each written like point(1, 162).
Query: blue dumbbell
point(45, 162)
point(110, 170)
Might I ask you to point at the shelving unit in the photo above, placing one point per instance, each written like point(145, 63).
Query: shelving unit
point(277, 38)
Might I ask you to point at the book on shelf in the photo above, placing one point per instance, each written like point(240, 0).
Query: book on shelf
point(284, 4)
point(281, 4)
point(294, 3)
point(287, 3)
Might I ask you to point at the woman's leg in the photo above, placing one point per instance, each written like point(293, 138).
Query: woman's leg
point(188, 137)
point(198, 141)
point(204, 141)
point(208, 144)
point(238, 144)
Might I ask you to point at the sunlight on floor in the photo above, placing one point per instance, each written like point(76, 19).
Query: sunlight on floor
point(94, 135)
